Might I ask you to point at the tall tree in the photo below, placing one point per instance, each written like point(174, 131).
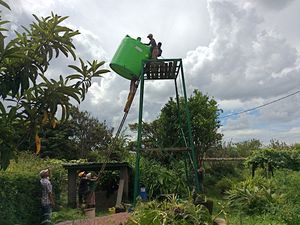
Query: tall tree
point(76, 137)
point(168, 129)
point(24, 62)
point(89, 133)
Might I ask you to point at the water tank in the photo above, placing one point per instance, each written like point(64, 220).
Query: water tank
point(127, 61)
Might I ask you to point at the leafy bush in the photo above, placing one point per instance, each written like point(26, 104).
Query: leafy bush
point(215, 172)
point(67, 214)
point(267, 201)
point(20, 189)
point(224, 185)
point(270, 159)
point(161, 180)
point(170, 211)
point(254, 196)
point(287, 183)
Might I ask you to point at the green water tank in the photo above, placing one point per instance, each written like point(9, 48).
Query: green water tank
point(127, 61)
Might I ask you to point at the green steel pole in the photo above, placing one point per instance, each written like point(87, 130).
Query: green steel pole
point(139, 142)
point(191, 142)
point(178, 111)
point(186, 171)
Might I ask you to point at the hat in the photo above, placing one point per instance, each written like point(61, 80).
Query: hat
point(81, 174)
point(150, 35)
point(43, 172)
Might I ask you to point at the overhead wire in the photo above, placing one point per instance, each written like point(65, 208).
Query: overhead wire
point(260, 106)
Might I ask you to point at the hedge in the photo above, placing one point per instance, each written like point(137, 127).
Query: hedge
point(20, 193)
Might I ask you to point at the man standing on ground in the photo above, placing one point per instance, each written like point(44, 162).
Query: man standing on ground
point(47, 200)
point(83, 187)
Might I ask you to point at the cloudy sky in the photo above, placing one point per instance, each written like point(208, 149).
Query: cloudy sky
point(242, 53)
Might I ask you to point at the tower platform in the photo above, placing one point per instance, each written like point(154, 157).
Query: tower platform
point(161, 69)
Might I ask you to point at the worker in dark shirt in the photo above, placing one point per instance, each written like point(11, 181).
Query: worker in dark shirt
point(159, 49)
point(153, 46)
point(83, 187)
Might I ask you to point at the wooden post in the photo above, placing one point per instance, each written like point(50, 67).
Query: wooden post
point(72, 188)
point(120, 193)
point(124, 175)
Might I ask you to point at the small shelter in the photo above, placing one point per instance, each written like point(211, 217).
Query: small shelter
point(74, 168)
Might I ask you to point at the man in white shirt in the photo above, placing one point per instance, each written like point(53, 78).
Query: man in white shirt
point(47, 200)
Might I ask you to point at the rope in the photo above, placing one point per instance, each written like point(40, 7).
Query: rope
point(121, 124)
point(117, 133)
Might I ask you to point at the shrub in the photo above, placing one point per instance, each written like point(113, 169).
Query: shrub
point(67, 214)
point(276, 199)
point(224, 185)
point(288, 183)
point(161, 180)
point(170, 211)
point(270, 159)
point(20, 190)
point(254, 196)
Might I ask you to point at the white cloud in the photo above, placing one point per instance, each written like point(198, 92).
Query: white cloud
point(245, 65)
point(243, 53)
point(274, 4)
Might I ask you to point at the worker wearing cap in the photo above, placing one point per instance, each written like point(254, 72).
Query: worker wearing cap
point(82, 188)
point(47, 200)
point(90, 199)
point(153, 46)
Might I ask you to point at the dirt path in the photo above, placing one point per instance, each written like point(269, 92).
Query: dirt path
point(114, 219)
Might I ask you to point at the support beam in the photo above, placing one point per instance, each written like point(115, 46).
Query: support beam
point(125, 176)
point(223, 159)
point(120, 192)
point(72, 188)
point(177, 149)
point(139, 144)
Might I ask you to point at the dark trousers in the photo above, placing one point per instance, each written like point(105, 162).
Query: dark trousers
point(46, 213)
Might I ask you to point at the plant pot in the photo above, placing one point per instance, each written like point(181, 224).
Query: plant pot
point(89, 212)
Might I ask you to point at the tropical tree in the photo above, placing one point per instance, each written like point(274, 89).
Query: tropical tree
point(74, 138)
point(170, 127)
point(34, 99)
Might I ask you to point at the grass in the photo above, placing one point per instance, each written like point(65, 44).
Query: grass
point(254, 220)
point(287, 209)
point(65, 214)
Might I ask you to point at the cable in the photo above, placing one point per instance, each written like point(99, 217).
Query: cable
point(260, 106)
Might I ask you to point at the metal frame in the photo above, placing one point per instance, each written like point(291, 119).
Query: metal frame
point(176, 70)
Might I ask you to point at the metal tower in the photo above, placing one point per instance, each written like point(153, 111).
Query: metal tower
point(164, 69)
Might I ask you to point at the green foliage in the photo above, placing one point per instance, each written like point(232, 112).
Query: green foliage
point(263, 219)
point(266, 201)
point(159, 179)
point(204, 119)
point(17, 204)
point(170, 211)
point(166, 130)
point(109, 182)
point(271, 159)
point(24, 62)
point(76, 138)
point(287, 184)
point(219, 176)
point(27, 56)
point(7, 140)
point(224, 184)
point(238, 150)
point(254, 196)
point(20, 189)
point(67, 214)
